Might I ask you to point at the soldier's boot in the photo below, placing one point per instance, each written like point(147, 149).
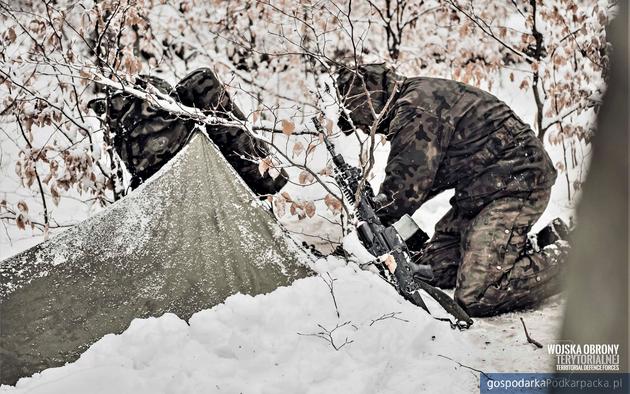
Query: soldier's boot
point(555, 231)
point(203, 90)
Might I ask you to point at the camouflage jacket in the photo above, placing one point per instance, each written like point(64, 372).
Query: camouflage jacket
point(146, 137)
point(445, 134)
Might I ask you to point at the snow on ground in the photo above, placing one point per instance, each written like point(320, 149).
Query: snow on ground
point(265, 344)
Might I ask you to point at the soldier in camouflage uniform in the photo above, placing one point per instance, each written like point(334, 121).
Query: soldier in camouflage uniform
point(448, 135)
point(147, 137)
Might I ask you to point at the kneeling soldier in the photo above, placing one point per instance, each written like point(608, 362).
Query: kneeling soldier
point(448, 135)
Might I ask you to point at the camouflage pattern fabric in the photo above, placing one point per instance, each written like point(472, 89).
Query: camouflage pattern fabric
point(449, 135)
point(483, 255)
point(146, 137)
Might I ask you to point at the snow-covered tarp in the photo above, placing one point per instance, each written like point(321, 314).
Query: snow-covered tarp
point(185, 241)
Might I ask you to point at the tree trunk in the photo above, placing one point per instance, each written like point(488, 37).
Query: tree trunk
point(597, 284)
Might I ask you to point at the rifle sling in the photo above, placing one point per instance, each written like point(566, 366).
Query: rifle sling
point(449, 305)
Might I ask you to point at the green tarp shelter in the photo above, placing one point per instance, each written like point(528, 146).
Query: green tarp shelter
point(187, 239)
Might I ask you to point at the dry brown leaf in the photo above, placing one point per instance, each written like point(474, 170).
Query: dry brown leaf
point(534, 66)
point(305, 177)
point(326, 171)
point(22, 206)
point(390, 263)
point(333, 203)
point(560, 166)
point(10, 35)
point(309, 209)
point(286, 196)
point(288, 127)
point(329, 126)
point(21, 222)
point(524, 85)
point(54, 192)
point(85, 74)
point(279, 205)
point(298, 148)
point(264, 165)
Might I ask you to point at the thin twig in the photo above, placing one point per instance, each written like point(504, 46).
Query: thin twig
point(331, 283)
point(39, 182)
point(466, 366)
point(327, 335)
point(391, 315)
point(530, 339)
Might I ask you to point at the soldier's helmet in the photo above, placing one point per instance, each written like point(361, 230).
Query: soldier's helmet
point(374, 82)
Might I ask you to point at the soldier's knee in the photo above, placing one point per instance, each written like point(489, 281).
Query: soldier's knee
point(444, 275)
point(444, 264)
point(444, 271)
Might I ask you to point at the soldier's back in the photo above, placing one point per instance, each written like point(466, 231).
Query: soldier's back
point(471, 111)
point(486, 140)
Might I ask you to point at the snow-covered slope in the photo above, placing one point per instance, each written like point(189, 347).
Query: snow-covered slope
point(265, 344)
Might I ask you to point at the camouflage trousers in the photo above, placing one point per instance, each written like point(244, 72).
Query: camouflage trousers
point(483, 255)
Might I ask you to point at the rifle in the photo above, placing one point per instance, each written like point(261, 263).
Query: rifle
point(408, 278)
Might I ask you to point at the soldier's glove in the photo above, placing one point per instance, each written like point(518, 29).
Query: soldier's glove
point(416, 242)
point(380, 200)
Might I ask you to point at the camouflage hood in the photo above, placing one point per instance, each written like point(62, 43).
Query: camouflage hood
point(380, 81)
